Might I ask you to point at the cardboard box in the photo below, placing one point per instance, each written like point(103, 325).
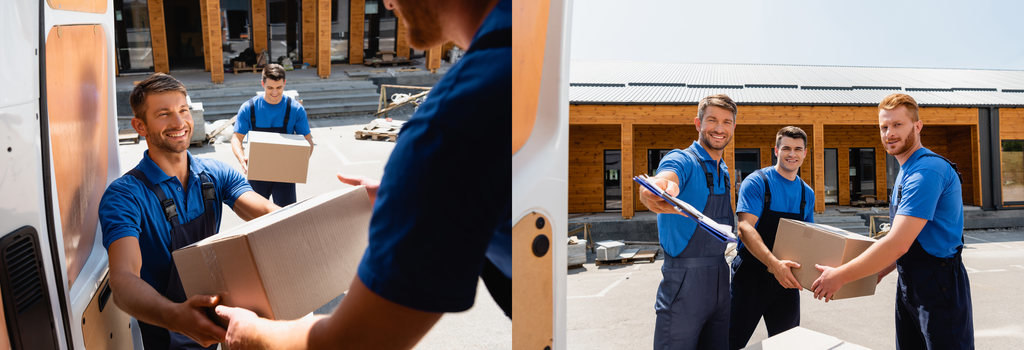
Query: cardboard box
point(800, 338)
point(810, 244)
point(285, 264)
point(278, 157)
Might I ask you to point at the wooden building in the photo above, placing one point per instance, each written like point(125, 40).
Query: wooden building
point(165, 35)
point(624, 117)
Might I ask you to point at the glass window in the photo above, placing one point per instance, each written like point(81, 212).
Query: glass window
point(133, 41)
point(339, 31)
point(612, 180)
point(284, 32)
point(748, 160)
point(1012, 165)
point(654, 159)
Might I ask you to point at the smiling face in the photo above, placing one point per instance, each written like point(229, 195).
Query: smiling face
point(166, 122)
point(900, 134)
point(273, 90)
point(716, 128)
point(790, 153)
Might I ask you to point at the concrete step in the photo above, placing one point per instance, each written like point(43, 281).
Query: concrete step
point(824, 219)
point(333, 109)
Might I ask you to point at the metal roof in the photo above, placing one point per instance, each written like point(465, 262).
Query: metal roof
point(666, 83)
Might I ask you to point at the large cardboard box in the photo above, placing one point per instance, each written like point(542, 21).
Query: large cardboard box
point(810, 244)
point(800, 338)
point(278, 157)
point(285, 264)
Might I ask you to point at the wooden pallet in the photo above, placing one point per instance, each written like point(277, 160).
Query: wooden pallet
point(646, 256)
point(577, 266)
point(380, 129)
point(377, 136)
point(127, 135)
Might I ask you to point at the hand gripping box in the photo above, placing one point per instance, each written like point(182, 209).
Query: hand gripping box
point(278, 157)
point(810, 244)
point(285, 264)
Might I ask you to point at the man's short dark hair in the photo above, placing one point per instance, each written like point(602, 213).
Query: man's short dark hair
point(790, 132)
point(154, 84)
point(721, 101)
point(273, 72)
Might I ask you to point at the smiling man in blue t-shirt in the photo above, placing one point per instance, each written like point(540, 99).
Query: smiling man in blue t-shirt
point(933, 294)
point(692, 305)
point(763, 285)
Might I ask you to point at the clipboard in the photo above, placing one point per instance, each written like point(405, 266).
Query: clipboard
point(721, 232)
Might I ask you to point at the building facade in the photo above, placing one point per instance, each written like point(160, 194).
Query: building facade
point(164, 35)
point(625, 117)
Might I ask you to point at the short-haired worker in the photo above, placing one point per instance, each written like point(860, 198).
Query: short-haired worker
point(169, 200)
point(763, 285)
point(933, 294)
point(272, 112)
point(422, 260)
point(692, 306)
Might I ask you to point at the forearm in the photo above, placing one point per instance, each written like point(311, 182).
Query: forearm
point(309, 138)
point(139, 299)
point(237, 148)
point(251, 205)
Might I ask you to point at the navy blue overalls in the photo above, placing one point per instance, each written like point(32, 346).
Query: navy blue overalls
point(283, 193)
point(205, 225)
point(693, 299)
point(933, 295)
point(755, 291)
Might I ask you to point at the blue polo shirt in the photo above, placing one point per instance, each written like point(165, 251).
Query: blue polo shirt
point(931, 191)
point(272, 116)
point(435, 220)
point(785, 195)
point(129, 209)
point(674, 231)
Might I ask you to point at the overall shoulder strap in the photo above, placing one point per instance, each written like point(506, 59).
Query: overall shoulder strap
point(287, 113)
point(767, 189)
point(707, 174)
point(170, 210)
point(252, 114)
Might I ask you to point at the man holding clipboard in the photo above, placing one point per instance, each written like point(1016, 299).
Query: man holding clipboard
point(692, 305)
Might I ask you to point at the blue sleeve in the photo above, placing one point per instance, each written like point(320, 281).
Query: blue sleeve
point(751, 197)
point(674, 161)
point(242, 119)
point(301, 120)
point(921, 191)
point(120, 212)
point(421, 253)
point(230, 183)
point(809, 210)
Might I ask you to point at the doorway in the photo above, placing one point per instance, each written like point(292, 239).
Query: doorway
point(831, 176)
point(862, 173)
point(184, 34)
point(612, 183)
point(284, 26)
point(381, 28)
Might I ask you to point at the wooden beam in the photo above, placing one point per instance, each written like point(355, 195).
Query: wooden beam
point(976, 160)
point(259, 26)
point(309, 22)
point(323, 39)
point(158, 36)
point(626, 170)
point(214, 47)
point(402, 38)
point(205, 26)
point(819, 167)
point(356, 21)
point(434, 59)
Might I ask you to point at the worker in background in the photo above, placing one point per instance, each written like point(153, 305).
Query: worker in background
point(272, 112)
point(933, 294)
point(763, 285)
point(692, 305)
point(169, 200)
point(434, 231)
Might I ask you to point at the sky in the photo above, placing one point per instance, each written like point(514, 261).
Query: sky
point(976, 34)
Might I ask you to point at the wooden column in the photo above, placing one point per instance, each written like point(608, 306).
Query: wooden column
point(205, 27)
point(976, 161)
point(356, 21)
point(259, 26)
point(626, 171)
point(434, 59)
point(309, 22)
point(819, 167)
point(213, 41)
point(158, 36)
point(402, 38)
point(881, 187)
point(323, 38)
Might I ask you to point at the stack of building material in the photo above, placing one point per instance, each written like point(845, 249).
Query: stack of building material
point(577, 251)
point(609, 250)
